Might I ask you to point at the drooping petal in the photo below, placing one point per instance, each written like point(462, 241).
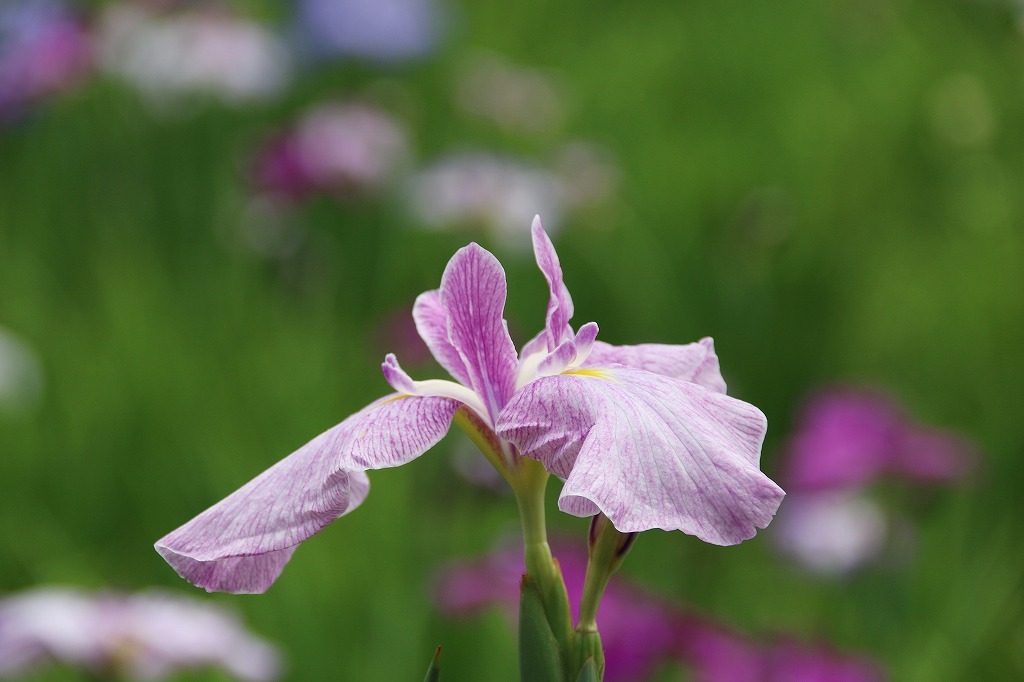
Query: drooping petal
point(693, 362)
point(242, 543)
point(473, 294)
point(432, 325)
point(560, 307)
point(648, 451)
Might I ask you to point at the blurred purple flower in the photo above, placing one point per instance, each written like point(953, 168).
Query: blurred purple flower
point(171, 56)
point(334, 148)
point(146, 636)
point(849, 437)
point(378, 30)
point(641, 632)
point(43, 50)
point(845, 440)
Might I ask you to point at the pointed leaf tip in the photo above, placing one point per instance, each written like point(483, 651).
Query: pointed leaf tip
point(589, 672)
point(434, 671)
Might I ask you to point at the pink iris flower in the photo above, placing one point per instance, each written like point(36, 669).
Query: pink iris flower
point(643, 434)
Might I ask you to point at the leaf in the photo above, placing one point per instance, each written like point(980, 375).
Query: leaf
point(589, 672)
point(434, 671)
point(540, 659)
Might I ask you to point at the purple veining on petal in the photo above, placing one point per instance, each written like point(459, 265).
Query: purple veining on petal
point(560, 308)
point(648, 451)
point(693, 362)
point(242, 543)
point(432, 324)
point(472, 293)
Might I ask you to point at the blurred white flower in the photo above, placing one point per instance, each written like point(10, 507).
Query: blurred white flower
point(515, 98)
point(168, 56)
point(484, 190)
point(147, 636)
point(21, 375)
point(831, 531)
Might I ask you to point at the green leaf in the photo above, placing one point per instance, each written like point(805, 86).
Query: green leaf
point(434, 671)
point(540, 659)
point(589, 672)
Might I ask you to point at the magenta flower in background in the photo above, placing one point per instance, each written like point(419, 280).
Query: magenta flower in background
point(643, 434)
point(376, 30)
point(849, 437)
point(845, 440)
point(341, 149)
point(641, 632)
point(44, 50)
point(146, 636)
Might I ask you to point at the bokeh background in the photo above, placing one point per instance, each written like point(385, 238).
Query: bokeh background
point(832, 190)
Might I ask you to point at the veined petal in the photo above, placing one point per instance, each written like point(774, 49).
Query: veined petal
point(432, 325)
point(473, 294)
point(693, 362)
point(648, 451)
point(560, 307)
point(242, 543)
point(401, 382)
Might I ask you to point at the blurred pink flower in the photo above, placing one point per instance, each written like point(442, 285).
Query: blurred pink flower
point(43, 50)
point(848, 437)
point(146, 636)
point(334, 148)
point(641, 632)
point(845, 440)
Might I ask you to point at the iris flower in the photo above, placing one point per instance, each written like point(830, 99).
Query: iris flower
point(642, 434)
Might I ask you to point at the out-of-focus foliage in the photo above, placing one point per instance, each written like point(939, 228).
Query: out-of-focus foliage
point(831, 190)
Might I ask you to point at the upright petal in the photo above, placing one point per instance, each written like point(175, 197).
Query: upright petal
point(693, 362)
point(432, 324)
point(648, 451)
point(473, 294)
point(242, 543)
point(560, 303)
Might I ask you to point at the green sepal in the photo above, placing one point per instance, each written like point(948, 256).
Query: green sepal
point(434, 671)
point(540, 659)
point(589, 672)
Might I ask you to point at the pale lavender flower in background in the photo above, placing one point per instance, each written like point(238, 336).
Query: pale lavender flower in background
point(515, 98)
point(489, 192)
point(146, 636)
point(172, 57)
point(340, 149)
point(845, 441)
point(375, 30)
point(832, 531)
point(44, 49)
point(641, 632)
point(644, 434)
point(21, 375)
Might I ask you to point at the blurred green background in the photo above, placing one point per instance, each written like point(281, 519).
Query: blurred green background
point(832, 190)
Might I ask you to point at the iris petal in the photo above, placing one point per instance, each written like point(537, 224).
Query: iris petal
point(648, 451)
point(242, 543)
